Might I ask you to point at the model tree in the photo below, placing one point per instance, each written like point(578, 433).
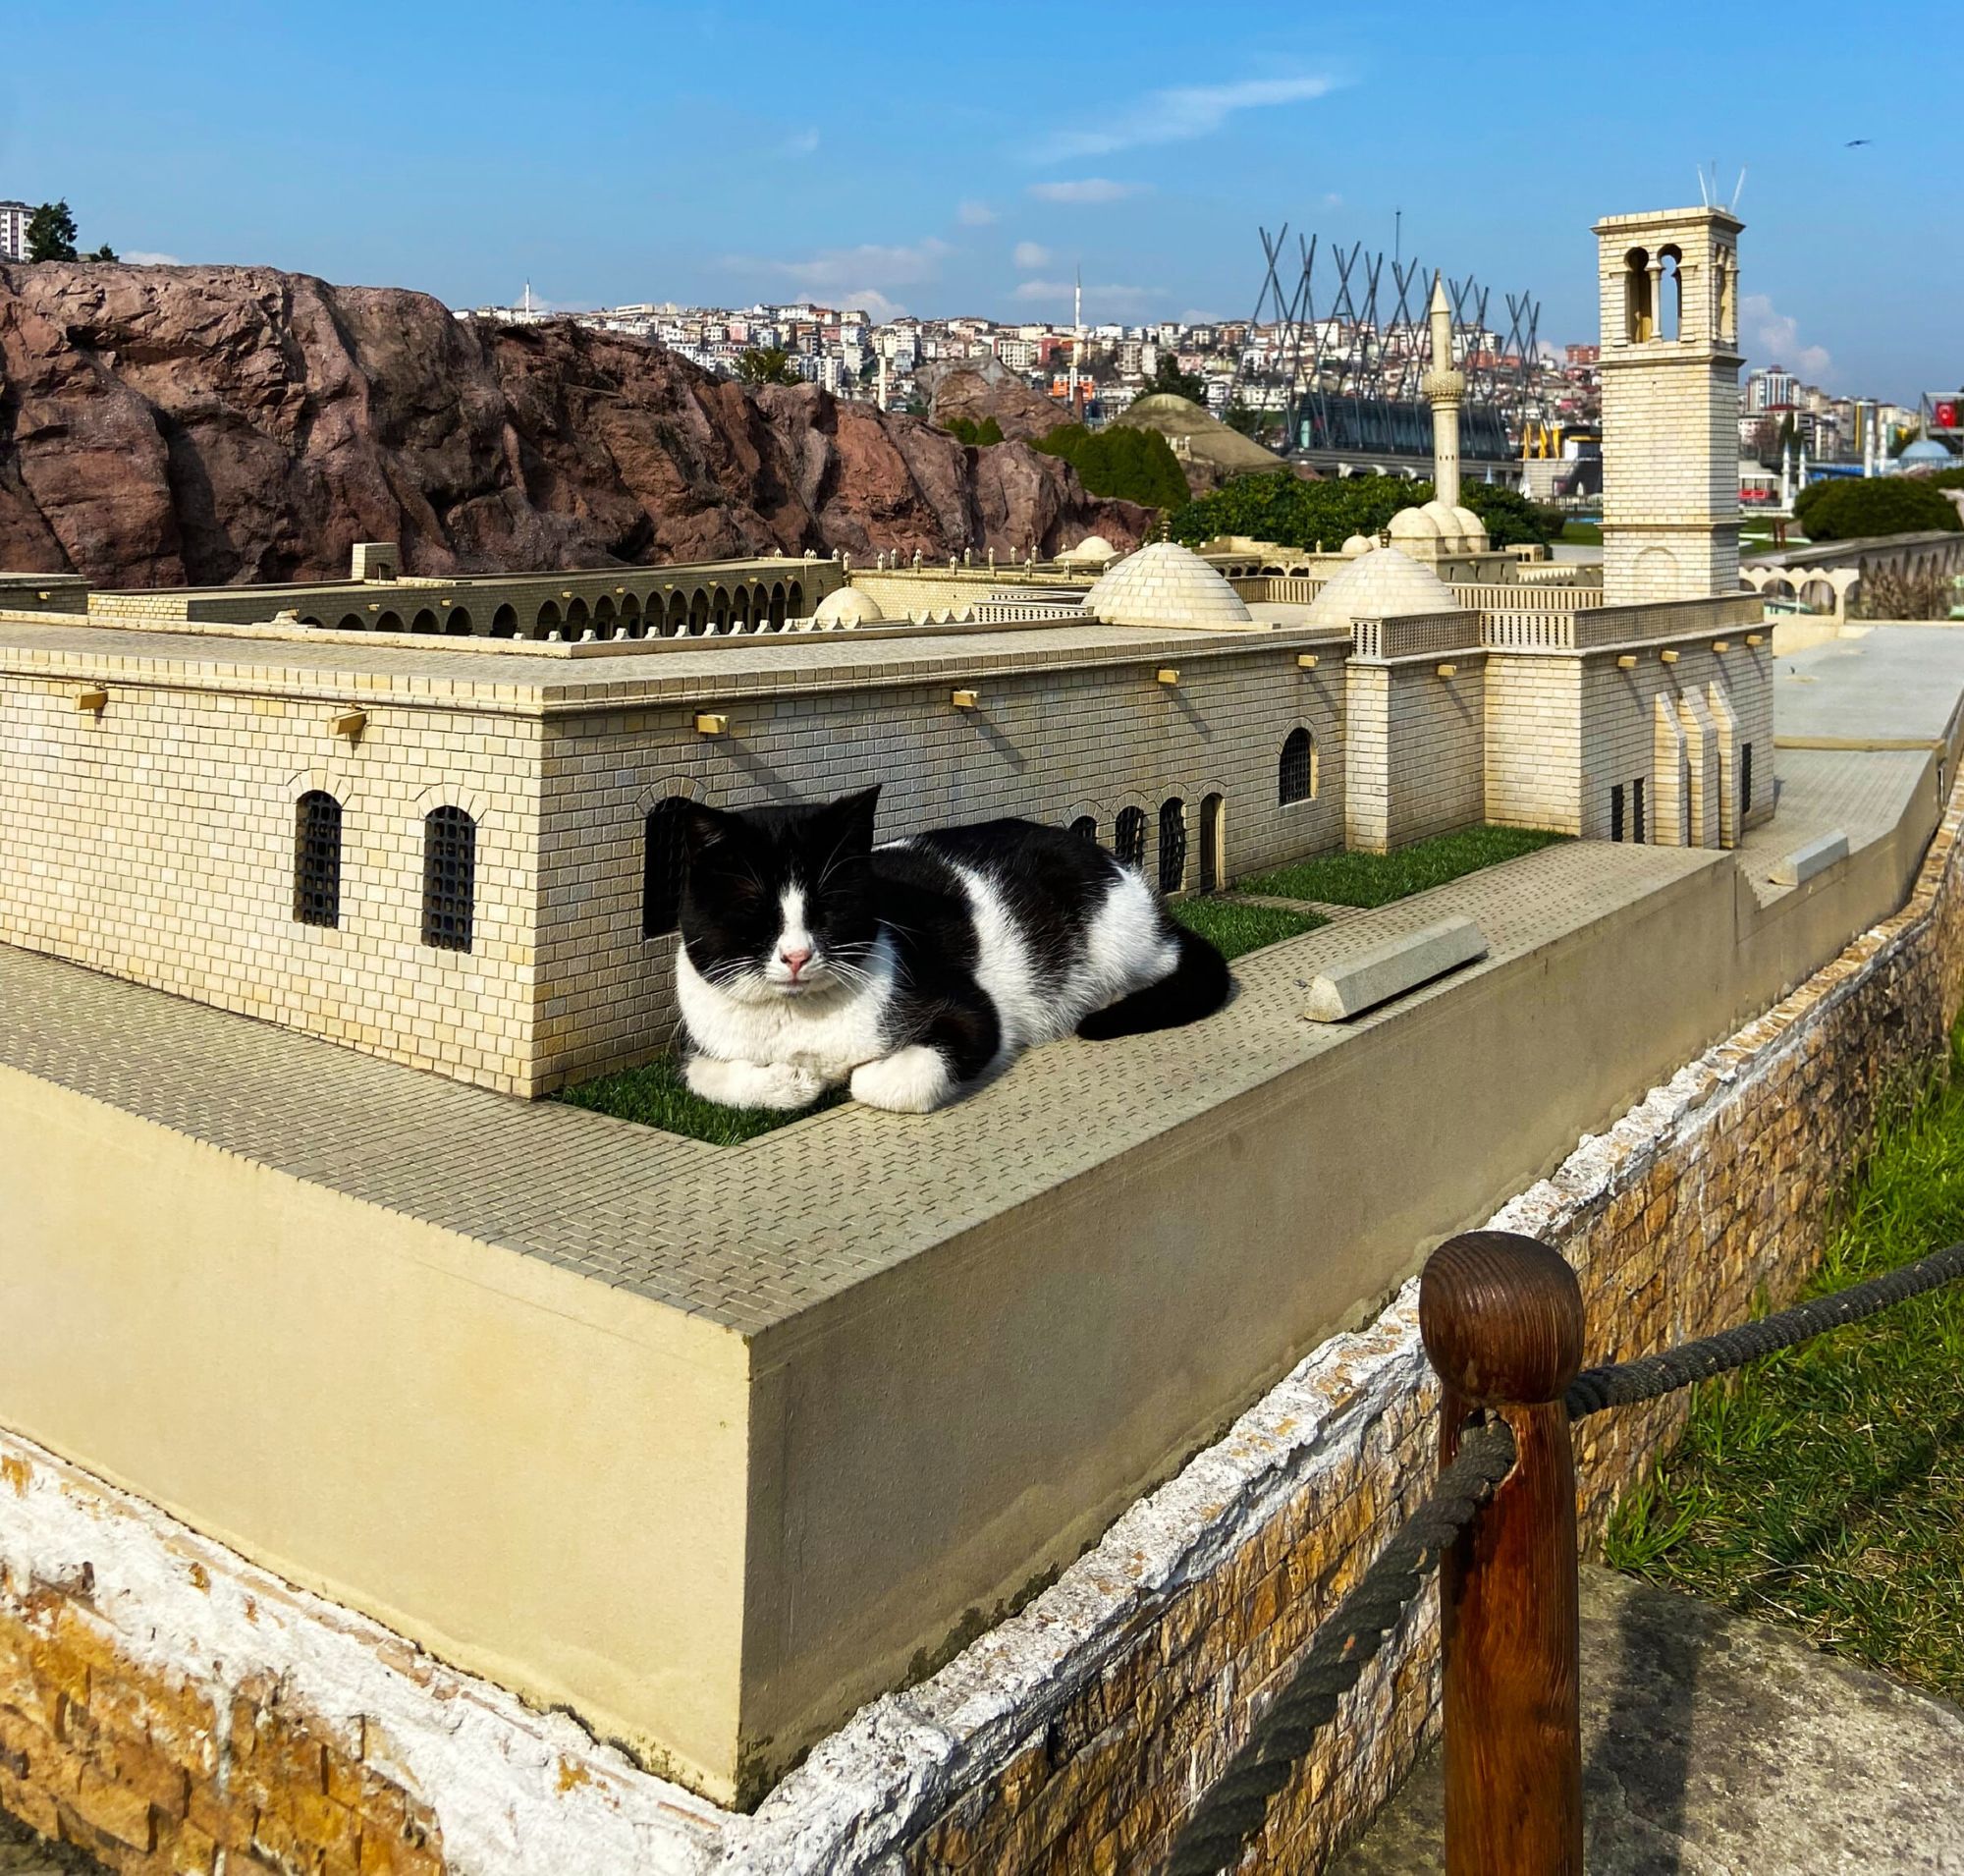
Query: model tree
point(767, 365)
point(51, 233)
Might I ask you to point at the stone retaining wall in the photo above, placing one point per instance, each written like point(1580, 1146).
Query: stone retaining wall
point(154, 1689)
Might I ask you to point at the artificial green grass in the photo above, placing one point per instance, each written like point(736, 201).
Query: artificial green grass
point(1582, 533)
point(656, 1096)
point(1237, 930)
point(1824, 1487)
point(1376, 879)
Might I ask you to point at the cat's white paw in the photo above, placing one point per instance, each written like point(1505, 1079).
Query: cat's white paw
point(912, 1080)
point(773, 1084)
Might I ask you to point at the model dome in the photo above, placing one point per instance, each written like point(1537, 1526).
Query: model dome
point(1472, 527)
point(1415, 527)
point(1357, 545)
point(1384, 584)
point(847, 608)
point(1093, 550)
point(1925, 452)
point(1165, 584)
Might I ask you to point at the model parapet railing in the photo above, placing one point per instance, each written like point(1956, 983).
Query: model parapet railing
point(1591, 624)
point(1503, 1323)
point(1417, 635)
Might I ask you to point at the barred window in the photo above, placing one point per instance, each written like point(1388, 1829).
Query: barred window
point(664, 863)
point(1745, 783)
point(1129, 835)
point(449, 877)
point(317, 859)
point(1085, 827)
point(1637, 810)
point(1172, 845)
point(1299, 769)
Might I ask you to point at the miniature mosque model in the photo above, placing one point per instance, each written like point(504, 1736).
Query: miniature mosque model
point(435, 818)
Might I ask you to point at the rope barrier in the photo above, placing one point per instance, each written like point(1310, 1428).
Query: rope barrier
point(1624, 1383)
point(1233, 1810)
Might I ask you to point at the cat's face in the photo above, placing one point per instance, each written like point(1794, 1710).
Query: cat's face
point(778, 900)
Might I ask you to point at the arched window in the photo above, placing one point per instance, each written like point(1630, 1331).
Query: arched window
point(1210, 844)
point(424, 621)
point(352, 622)
point(548, 620)
point(1299, 768)
point(505, 623)
point(1129, 835)
point(1172, 845)
point(664, 860)
point(317, 859)
point(1639, 310)
point(1085, 827)
point(456, 621)
point(1670, 293)
point(794, 599)
point(389, 621)
point(449, 877)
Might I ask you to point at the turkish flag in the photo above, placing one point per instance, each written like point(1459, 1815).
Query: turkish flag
point(1947, 417)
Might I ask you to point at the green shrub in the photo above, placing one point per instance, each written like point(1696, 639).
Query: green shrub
point(1282, 507)
point(1131, 466)
point(976, 435)
point(1846, 508)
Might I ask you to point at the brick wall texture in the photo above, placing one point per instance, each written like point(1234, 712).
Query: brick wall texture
point(151, 1773)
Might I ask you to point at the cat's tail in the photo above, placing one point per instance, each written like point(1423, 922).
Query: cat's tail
point(1196, 987)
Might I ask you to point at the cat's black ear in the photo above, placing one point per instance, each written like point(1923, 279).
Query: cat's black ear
point(703, 827)
point(850, 819)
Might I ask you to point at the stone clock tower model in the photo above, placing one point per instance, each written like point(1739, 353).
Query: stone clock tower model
point(1669, 282)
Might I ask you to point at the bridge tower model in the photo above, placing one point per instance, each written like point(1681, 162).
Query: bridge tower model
point(1670, 362)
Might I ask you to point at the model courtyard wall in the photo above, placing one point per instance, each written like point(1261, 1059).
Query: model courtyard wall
point(1076, 1734)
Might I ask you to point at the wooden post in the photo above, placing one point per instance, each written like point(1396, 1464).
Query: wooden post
point(1501, 1317)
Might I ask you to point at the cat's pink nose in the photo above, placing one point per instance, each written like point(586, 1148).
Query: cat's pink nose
point(795, 960)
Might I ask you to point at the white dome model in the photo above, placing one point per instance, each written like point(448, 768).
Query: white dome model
point(1415, 527)
point(1473, 528)
point(847, 608)
point(1357, 545)
point(1094, 550)
point(1165, 584)
point(1384, 584)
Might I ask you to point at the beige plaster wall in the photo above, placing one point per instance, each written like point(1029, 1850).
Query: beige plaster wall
point(534, 1477)
point(1046, 744)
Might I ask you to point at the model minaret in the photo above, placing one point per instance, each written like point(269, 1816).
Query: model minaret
point(1076, 340)
point(1444, 384)
point(1670, 404)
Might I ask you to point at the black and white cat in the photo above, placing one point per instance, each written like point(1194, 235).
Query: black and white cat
point(811, 958)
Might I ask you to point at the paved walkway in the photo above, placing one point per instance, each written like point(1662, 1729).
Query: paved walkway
point(1714, 1745)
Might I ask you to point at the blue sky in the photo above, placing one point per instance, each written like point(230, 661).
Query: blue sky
point(948, 162)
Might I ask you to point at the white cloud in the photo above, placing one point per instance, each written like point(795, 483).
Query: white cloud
point(975, 215)
point(801, 143)
point(138, 258)
point(1087, 191)
point(1778, 335)
point(870, 300)
point(1179, 115)
point(866, 268)
point(1030, 255)
point(1099, 300)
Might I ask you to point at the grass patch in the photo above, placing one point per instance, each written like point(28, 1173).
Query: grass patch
point(1376, 879)
point(655, 1095)
point(1824, 1487)
point(1582, 533)
point(1237, 930)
